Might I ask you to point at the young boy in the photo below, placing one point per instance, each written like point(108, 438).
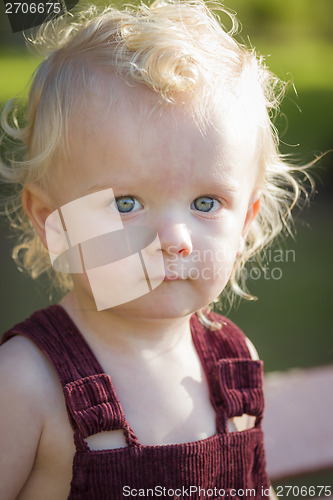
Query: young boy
point(150, 176)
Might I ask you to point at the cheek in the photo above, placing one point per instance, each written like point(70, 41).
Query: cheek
point(215, 260)
point(220, 242)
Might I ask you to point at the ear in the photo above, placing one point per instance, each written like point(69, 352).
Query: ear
point(38, 206)
point(253, 209)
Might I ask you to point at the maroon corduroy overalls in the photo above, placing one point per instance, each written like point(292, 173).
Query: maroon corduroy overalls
point(229, 461)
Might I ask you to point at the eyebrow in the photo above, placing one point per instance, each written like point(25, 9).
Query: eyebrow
point(225, 185)
point(98, 187)
point(228, 187)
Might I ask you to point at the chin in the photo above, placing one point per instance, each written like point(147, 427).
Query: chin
point(156, 305)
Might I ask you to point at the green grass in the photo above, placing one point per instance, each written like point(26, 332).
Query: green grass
point(304, 61)
point(16, 69)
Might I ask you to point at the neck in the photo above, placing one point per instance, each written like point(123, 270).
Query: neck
point(121, 332)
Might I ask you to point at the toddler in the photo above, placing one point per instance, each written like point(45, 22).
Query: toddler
point(148, 174)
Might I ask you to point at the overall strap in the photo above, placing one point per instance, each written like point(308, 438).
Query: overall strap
point(53, 331)
point(235, 380)
point(91, 400)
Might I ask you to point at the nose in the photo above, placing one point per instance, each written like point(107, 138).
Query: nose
point(176, 239)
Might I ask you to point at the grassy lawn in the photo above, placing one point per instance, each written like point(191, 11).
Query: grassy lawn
point(305, 62)
point(16, 69)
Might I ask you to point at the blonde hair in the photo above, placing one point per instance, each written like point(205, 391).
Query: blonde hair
point(175, 48)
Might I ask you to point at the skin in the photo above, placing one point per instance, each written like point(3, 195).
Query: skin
point(165, 166)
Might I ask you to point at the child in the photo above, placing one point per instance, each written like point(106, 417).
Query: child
point(149, 176)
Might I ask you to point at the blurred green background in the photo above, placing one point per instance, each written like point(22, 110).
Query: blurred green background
point(291, 323)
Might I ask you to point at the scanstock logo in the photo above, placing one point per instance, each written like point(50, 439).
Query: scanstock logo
point(121, 263)
point(24, 15)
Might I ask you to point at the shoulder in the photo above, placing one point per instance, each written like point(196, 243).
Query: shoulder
point(252, 350)
point(37, 323)
point(234, 340)
point(40, 334)
point(28, 381)
point(24, 371)
point(22, 358)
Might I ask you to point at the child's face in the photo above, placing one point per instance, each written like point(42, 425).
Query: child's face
point(197, 192)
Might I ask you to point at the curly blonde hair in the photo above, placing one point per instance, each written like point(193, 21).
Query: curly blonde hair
point(173, 47)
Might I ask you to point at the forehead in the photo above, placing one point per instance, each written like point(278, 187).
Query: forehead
point(135, 135)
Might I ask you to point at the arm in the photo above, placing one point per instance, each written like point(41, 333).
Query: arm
point(253, 351)
point(255, 356)
point(273, 494)
point(20, 414)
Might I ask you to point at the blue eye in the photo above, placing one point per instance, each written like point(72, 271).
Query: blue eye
point(127, 204)
point(205, 204)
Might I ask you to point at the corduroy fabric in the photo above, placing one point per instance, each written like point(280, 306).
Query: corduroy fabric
point(227, 461)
